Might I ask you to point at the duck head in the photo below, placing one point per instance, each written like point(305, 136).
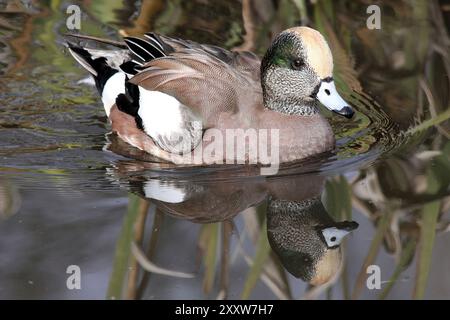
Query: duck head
point(297, 72)
point(306, 239)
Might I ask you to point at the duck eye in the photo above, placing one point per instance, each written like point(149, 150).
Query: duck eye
point(297, 64)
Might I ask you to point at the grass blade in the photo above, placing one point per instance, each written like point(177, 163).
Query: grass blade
point(123, 247)
point(345, 282)
point(338, 198)
point(430, 213)
point(373, 252)
point(406, 256)
point(262, 252)
point(444, 116)
point(156, 229)
point(149, 266)
point(139, 229)
point(227, 229)
point(208, 242)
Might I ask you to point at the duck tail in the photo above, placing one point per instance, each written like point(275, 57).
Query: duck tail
point(97, 66)
point(84, 58)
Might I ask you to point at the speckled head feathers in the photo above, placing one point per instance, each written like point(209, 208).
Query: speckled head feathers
point(295, 64)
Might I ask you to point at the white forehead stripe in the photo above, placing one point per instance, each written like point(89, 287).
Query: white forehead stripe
point(318, 53)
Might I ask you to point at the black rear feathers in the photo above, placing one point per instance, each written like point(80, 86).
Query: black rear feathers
point(143, 51)
point(129, 102)
point(140, 51)
point(97, 67)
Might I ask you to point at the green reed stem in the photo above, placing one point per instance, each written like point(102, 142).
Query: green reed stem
point(123, 249)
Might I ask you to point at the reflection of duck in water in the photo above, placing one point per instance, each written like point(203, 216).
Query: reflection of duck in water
point(300, 231)
point(306, 238)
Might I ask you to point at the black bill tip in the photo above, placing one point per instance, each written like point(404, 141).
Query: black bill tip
point(346, 112)
point(347, 225)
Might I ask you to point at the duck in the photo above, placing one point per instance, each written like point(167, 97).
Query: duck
point(175, 98)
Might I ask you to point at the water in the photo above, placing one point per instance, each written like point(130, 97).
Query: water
point(66, 182)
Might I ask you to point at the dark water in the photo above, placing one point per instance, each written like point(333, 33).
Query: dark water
point(66, 183)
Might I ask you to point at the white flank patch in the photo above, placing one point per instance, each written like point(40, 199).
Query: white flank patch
point(160, 113)
point(163, 191)
point(113, 87)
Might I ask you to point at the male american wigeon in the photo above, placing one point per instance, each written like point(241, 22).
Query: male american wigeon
point(158, 89)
